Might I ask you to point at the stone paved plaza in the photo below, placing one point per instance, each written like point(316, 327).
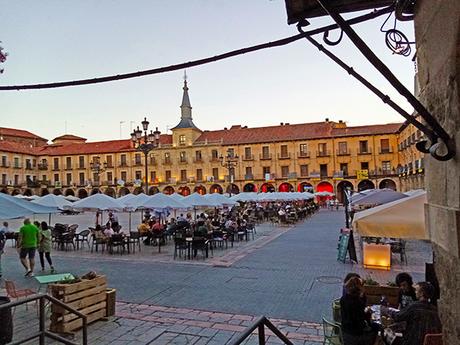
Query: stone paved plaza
point(289, 274)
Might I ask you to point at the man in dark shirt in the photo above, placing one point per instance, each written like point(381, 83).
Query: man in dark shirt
point(421, 317)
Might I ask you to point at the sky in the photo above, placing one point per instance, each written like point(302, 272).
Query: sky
point(49, 41)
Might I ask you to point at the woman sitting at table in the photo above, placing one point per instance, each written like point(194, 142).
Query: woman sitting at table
point(355, 317)
point(108, 232)
point(406, 290)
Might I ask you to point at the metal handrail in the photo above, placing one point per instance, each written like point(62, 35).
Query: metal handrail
point(43, 333)
point(260, 323)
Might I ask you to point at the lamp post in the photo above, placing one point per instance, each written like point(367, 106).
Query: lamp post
point(145, 143)
point(97, 167)
point(229, 162)
point(347, 194)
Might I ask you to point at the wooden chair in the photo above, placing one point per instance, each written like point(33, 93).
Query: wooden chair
point(433, 339)
point(12, 292)
point(332, 333)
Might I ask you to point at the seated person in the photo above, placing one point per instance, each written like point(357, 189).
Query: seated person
point(356, 327)
point(406, 290)
point(201, 230)
point(143, 228)
point(421, 317)
point(108, 232)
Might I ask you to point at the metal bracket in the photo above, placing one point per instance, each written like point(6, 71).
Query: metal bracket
point(439, 144)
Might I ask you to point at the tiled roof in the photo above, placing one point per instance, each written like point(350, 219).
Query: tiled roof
point(19, 133)
point(68, 137)
point(317, 130)
point(15, 147)
point(389, 128)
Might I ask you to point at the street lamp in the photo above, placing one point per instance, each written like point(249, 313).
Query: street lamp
point(145, 143)
point(97, 167)
point(229, 162)
point(347, 194)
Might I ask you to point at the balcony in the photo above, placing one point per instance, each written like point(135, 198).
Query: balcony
point(249, 177)
point(68, 167)
point(17, 166)
point(167, 161)
point(198, 160)
point(383, 150)
point(303, 154)
point(292, 176)
point(340, 174)
point(109, 165)
point(364, 151)
point(325, 153)
point(42, 166)
point(56, 168)
point(29, 167)
point(248, 157)
point(266, 156)
point(4, 165)
point(286, 155)
point(182, 160)
point(138, 163)
point(122, 164)
point(343, 152)
point(215, 159)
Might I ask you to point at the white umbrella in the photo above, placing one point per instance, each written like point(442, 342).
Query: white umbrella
point(137, 201)
point(324, 193)
point(34, 197)
point(197, 200)
point(72, 198)
point(126, 197)
point(98, 202)
point(245, 196)
point(52, 200)
point(177, 197)
point(160, 202)
point(220, 199)
point(11, 207)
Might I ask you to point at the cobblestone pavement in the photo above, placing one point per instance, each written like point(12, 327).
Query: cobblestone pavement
point(289, 274)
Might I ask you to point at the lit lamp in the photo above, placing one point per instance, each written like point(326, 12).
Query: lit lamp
point(377, 256)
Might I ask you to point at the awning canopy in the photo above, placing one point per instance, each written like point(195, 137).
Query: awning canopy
point(11, 207)
point(403, 218)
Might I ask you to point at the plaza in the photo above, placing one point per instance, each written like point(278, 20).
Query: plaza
point(289, 274)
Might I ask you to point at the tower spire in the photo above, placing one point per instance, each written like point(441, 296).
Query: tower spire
point(185, 108)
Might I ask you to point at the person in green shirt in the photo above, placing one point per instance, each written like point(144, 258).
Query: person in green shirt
point(27, 245)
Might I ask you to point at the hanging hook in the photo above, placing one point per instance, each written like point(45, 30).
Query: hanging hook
point(329, 42)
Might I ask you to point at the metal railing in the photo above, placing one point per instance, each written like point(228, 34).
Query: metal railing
point(260, 325)
point(42, 332)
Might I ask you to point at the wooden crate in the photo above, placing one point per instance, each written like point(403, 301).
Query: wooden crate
point(87, 296)
point(375, 292)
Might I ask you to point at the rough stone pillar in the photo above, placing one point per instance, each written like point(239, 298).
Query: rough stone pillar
point(437, 31)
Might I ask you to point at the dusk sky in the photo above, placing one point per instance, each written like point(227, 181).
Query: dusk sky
point(51, 41)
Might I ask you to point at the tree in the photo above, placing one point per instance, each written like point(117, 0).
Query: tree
point(3, 56)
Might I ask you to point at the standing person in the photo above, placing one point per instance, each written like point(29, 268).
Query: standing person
point(2, 245)
point(44, 246)
point(27, 245)
point(5, 228)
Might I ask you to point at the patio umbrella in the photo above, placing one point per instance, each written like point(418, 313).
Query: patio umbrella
point(379, 197)
point(245, 196)
point(324, 193)
point(98, 202)
point(126, 197)
point(197, 200)
point(160, 202)
point(403, 218)
point(221, 199)
point(71, 198)
point(137, 201)
point(177, 197)
point(11, 207)
point(52, 200)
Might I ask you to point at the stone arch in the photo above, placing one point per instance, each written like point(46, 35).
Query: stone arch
point(4, 191)
point(138, 190)
point(82, 193)
point(249, 187)
point(44, 191)
point(305, 187)
point(184, 190)
point(28, 192)
point(110, 192)
point(95, 191)
point(15, 192)
point(267, 188)
point(341, 188)
point(123, 191)
point(153, 190)
point(57, 191)
point(233, 189)
point(168, 190)
point(200, 189)
point(387, 183)
point(365, 184)
point(285, 187)
point(69, 192)
point(216, 188)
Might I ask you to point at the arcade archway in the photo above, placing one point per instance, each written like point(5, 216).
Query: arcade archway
point(249, 187)
point(305, 187)
point(267, 188)
point(184, 190)
point(200, 189)
point(82, 193)
point(95, 191)
point(69, 192)
point(111, 192)
point(233, 189)
point(325, 186)
point(4, 191)
point(15, 192)
point(387, 183)
point(365, 184)
point(168, 190)
point(44, 192)
point(138, 190)
point(123, 191)
point(153, 190)
point(57, 192)
point(286, 187)
point(28, 192)
point(216, 188)
point(342, 186)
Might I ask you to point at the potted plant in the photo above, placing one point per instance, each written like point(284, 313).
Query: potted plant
point(374, 292)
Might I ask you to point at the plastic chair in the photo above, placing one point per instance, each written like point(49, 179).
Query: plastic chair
point(332, 333)
point(12, 292)
point(134, 239)
point(433, 339)
point(82, 237)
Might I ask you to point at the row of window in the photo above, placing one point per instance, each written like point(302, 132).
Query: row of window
point(410, 140)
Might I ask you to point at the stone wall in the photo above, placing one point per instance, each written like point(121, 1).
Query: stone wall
point(437, 30)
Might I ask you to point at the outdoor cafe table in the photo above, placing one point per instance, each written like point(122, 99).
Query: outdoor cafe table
point(189, 241)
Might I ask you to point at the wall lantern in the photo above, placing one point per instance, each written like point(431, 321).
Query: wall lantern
point(377, 256)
